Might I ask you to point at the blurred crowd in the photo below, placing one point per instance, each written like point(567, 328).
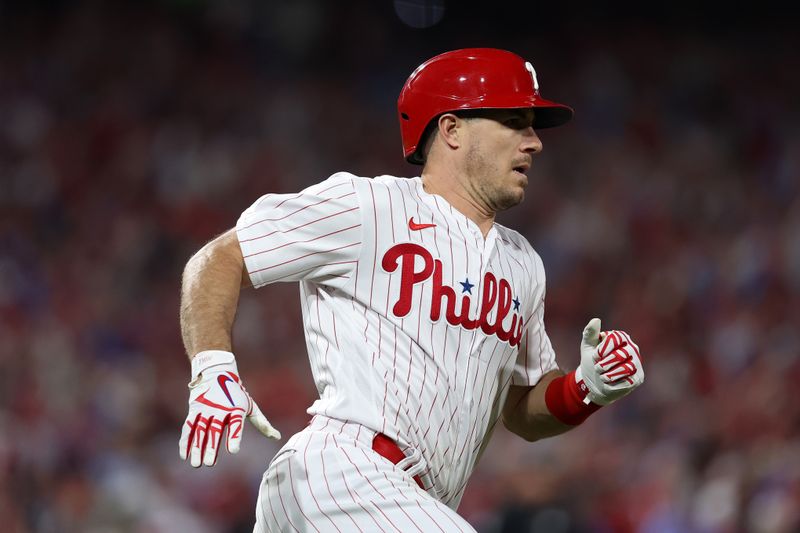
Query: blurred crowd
point(133, 132)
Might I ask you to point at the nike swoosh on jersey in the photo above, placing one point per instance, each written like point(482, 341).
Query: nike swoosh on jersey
point(413, 226)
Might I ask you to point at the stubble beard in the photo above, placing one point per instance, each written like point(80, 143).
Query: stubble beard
point(488, 183)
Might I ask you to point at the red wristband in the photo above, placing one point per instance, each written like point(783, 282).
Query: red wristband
point(564, 399)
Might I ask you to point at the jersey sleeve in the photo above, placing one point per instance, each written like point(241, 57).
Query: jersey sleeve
point(536, 356)
point(311, 235)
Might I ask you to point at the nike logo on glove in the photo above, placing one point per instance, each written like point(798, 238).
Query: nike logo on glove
point(413, 226)
point(223, 384)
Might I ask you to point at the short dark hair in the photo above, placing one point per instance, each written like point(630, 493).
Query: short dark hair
point(421, 154)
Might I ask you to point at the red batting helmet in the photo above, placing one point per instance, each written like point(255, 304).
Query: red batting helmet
point(472, 78)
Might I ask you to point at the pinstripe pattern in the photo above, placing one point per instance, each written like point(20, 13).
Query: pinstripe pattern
point(417, 334)
point(327, 478)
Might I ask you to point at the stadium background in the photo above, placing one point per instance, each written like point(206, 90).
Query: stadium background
point(132, 132)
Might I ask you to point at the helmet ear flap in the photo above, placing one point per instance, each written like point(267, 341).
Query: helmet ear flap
point(423, 147)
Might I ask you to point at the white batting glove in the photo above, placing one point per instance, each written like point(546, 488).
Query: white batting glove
point(611, 366)
point(217, 401)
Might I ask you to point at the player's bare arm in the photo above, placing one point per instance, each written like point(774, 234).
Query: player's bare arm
point(526, 414)
point(210, 294)
point(218, 401)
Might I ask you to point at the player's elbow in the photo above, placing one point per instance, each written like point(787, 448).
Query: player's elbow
point(524, 430)
point(221, 256)
point(535, 427)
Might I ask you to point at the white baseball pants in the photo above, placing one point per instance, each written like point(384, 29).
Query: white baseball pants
point(328, 478)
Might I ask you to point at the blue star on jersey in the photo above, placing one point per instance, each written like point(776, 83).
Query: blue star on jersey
point(466, 286)
point(516, 303)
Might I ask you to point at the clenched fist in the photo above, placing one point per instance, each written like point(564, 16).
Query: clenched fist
point(611, 365)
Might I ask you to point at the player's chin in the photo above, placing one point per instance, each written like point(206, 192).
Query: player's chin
point(513, 196)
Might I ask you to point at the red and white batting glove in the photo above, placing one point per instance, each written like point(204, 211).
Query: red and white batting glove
point(610, 368)
point(218, 401)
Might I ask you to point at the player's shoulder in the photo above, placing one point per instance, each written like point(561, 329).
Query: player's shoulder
point(375, 187)
point(366, 192)
point(386, 181)
point(383, 180)
point(335, 179)
point(336, 185)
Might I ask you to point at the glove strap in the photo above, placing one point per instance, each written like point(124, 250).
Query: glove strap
point(565, 398)
point(582, 387)
point(206, 359)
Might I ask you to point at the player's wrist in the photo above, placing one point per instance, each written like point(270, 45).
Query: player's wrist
point(567, 400)
point(207, 359)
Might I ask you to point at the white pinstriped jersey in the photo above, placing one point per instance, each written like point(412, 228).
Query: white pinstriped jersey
point(415, 324)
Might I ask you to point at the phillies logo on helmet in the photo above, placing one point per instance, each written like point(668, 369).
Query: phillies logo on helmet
point(496, 294)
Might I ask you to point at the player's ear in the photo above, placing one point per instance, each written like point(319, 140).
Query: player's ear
point(449, 129)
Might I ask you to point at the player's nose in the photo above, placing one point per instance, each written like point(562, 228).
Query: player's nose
point(531, 143)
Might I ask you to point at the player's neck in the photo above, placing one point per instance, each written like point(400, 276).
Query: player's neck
point(459, 197)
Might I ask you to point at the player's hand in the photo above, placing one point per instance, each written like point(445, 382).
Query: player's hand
point(611, 366)
point(218, 401)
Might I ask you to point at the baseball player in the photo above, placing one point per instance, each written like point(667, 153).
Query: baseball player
point(424, 319)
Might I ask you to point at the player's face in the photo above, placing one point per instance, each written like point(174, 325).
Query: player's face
point(499, 153)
